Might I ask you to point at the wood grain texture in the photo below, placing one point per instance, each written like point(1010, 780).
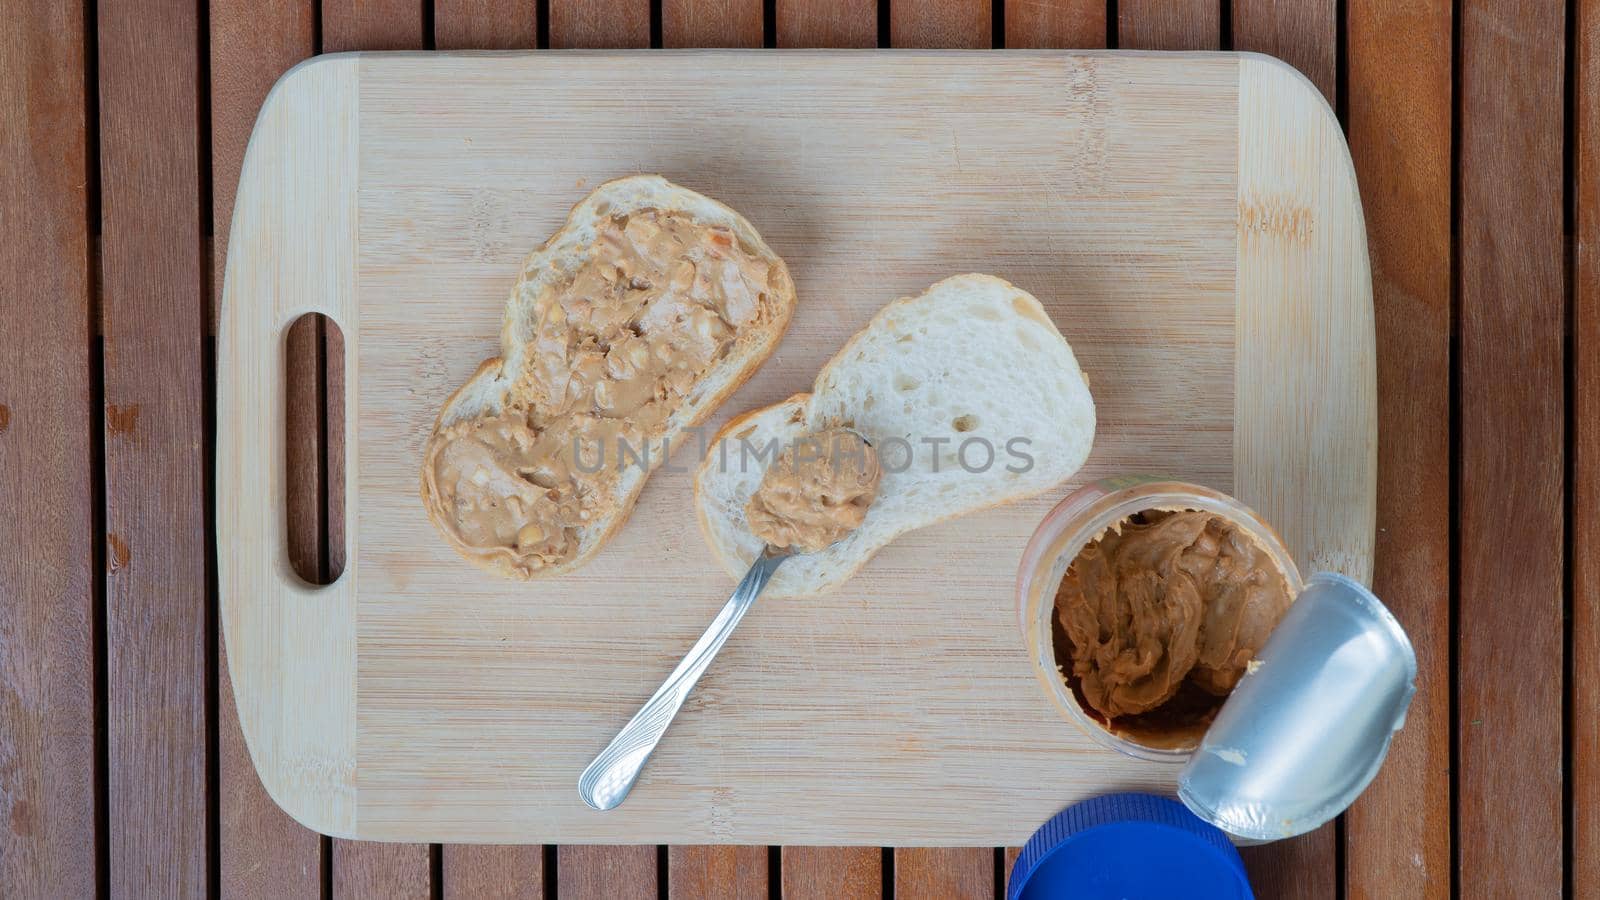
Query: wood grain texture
point(827, 23)
point(390, 870)
point(963, 24)
point(944, 873)
point(1051, 24)
point(262, 851)
point(1511, 465)
point(1302, 33)
point(469, 872)
point(252, 43)
point(832, 873)
point(712, 872)
point(601, 871)
point(368, 870)
point(47, 667)
point(153, 316)
point(1303, 866)
point(1044, 24)
point(500, 871)
point(711, 23)
point(492, 872)
point(1585, 718)
point(432, 749)
point(1169, 24)
point(372, 25)
point(485, 24)
point(599, 24)
point(597, 872)
point(308, 769)
point(1397, 835)
point(731, 872)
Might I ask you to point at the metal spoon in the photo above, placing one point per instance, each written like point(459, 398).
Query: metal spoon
point(606, 781)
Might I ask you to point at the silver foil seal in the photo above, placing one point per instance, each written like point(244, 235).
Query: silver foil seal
point(1304, 732)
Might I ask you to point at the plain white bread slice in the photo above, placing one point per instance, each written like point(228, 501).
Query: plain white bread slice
point(972, 358)
point(559, 258)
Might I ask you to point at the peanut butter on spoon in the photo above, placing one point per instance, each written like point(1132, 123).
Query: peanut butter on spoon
point(816, 492)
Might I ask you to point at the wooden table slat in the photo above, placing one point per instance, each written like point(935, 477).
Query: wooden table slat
point(1048, 24)
point(368, 870)
point(944, 873)
point(1510, 481)
point(494, 872)
point(845, 873)
point(711, 23)
point(599, 24)
point(469, 872)
point(827, 23)
point(1302, 33)
point(832, 873)
point(1585, 718)
point(717, 872)
point(153, 316)
point(1305, 866)
point(485, 24)
point(603, 871)
point(262, 851)
point(373, 25)
point(47, 599)
point(360, 868)
point(1397, 836)
point(964, 24)
point(1073, 24)
point(1169, 24)
point(595, 872)
point(970, 872)
point(730, 872)
point(829, 872)
point(1012, 853)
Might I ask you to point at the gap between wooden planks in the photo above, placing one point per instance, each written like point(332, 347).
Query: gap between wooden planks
point(261, 851)
point(949, 24)
point(153, 308)
point(56, 43)
point(1584, 713)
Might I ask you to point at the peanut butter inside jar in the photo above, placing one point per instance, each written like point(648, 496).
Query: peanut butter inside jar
point(1159, 616)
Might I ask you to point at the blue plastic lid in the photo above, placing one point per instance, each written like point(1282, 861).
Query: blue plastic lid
point(1128, 846)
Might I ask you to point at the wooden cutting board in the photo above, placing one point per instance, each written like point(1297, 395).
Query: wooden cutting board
point(1190, 221)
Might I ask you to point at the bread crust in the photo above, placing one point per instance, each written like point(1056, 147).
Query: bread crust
point(732, 372)
point(734, 565)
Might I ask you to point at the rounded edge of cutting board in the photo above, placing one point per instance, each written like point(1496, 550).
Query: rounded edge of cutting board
point(292, 250)
point(1303, 313)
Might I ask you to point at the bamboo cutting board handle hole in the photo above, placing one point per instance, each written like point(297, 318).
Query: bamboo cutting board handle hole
point(314, 417)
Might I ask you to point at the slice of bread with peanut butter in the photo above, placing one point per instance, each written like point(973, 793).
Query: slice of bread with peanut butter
point(970, 397)
point(631, 324)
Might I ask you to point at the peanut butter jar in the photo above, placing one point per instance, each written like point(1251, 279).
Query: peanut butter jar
point(1173, 730)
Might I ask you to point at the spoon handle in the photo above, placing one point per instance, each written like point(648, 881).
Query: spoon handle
point(607, 780)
